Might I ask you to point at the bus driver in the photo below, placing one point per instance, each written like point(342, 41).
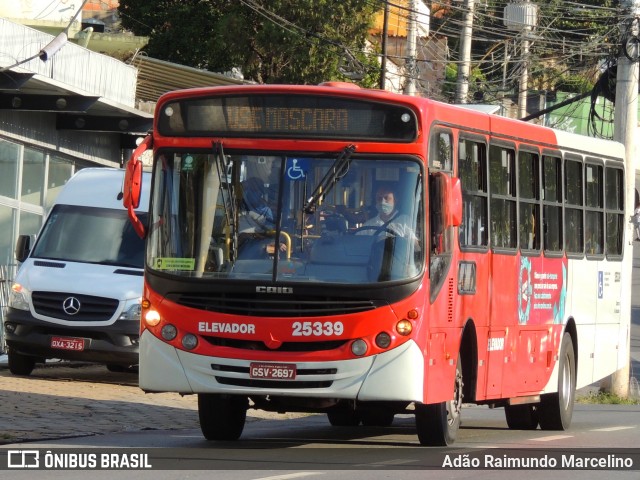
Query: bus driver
point(388, 219)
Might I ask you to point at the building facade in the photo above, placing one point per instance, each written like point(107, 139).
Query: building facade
point(58, 113)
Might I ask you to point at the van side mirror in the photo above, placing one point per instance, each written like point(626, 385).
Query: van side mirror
point(23, 248)
point(133, 185)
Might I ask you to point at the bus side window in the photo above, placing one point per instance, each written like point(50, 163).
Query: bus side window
point(441, 151)
point(440, 237)
point(573, 220)
point(503, 205)
point(594, 209)
point(529, 194)
point(472, 166)
point(614, 204)
point(552, 214)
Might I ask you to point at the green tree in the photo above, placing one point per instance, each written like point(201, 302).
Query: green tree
point(271, 41)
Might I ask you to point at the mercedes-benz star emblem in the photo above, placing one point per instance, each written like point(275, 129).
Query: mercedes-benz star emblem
point(71, 305)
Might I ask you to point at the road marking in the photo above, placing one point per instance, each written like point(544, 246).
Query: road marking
point(289, 476)
point(551, 438)
point(612, 429)
point(396, 461)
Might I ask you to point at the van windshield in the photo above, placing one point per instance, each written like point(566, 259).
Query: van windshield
point(90, 235)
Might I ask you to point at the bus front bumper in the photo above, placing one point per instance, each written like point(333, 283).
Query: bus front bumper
point(396, 375)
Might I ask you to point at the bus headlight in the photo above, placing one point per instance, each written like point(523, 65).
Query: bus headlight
point(359, 347)
point(189, 341)
point(152, 318)
point(404, 327)
point(19, 297)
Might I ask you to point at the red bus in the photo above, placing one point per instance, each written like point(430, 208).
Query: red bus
point(364, 254)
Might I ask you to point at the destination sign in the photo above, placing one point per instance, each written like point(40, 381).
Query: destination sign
point(287, 116)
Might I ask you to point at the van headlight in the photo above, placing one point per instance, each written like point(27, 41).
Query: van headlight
point(132, 312)
point(19, 297)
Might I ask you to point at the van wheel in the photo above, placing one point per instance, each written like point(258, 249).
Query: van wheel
point(20, 364)
point(222, 417)
point(438, 424)
point(556, 409)
point(522, 417)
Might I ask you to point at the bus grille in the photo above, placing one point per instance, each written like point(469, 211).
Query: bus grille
point(284, 347)
point(254, 305)
point(91, 309)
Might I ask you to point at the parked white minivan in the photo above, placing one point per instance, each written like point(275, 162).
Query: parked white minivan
point(77, 292)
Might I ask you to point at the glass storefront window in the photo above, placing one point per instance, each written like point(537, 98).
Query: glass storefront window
point(7, 215)
point(60, 170)
point(29, 223)
point(9, 158)
point(32, 176)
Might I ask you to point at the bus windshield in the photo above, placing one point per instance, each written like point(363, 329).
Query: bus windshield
point(338, 218)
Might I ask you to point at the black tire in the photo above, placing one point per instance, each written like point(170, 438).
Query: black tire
point(437, 424)
point(376, 417)
point(222, 417)
point(556, 409)
point(343, 417)
point(522, 417)
point(20, 364)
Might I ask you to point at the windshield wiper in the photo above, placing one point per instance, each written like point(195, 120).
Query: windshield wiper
point(338, 170)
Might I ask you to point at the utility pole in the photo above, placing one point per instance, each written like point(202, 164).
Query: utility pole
point(524, 75)
point(410, 65)
point(625, 126)
point(522, 16)
point(385, 35)
point(464, 67)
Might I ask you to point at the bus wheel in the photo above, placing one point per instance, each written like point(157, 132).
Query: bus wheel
point(343, 417)
point(20, 364)
point(522, 417)
point(222, 417)
point(556, 409)
point(438, 424)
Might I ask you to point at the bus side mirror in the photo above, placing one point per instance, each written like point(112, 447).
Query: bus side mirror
point(23, 248)
point(455, 202)
point(133, 185)
point(133, 176)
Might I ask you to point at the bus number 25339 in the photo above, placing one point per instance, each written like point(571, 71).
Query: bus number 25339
point(317, 329)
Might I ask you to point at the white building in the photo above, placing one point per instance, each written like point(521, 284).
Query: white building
point(60, 111)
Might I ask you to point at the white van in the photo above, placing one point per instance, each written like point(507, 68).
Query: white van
point(77, 292)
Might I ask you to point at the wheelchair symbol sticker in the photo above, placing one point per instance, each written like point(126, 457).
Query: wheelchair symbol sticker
point(296, 168)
